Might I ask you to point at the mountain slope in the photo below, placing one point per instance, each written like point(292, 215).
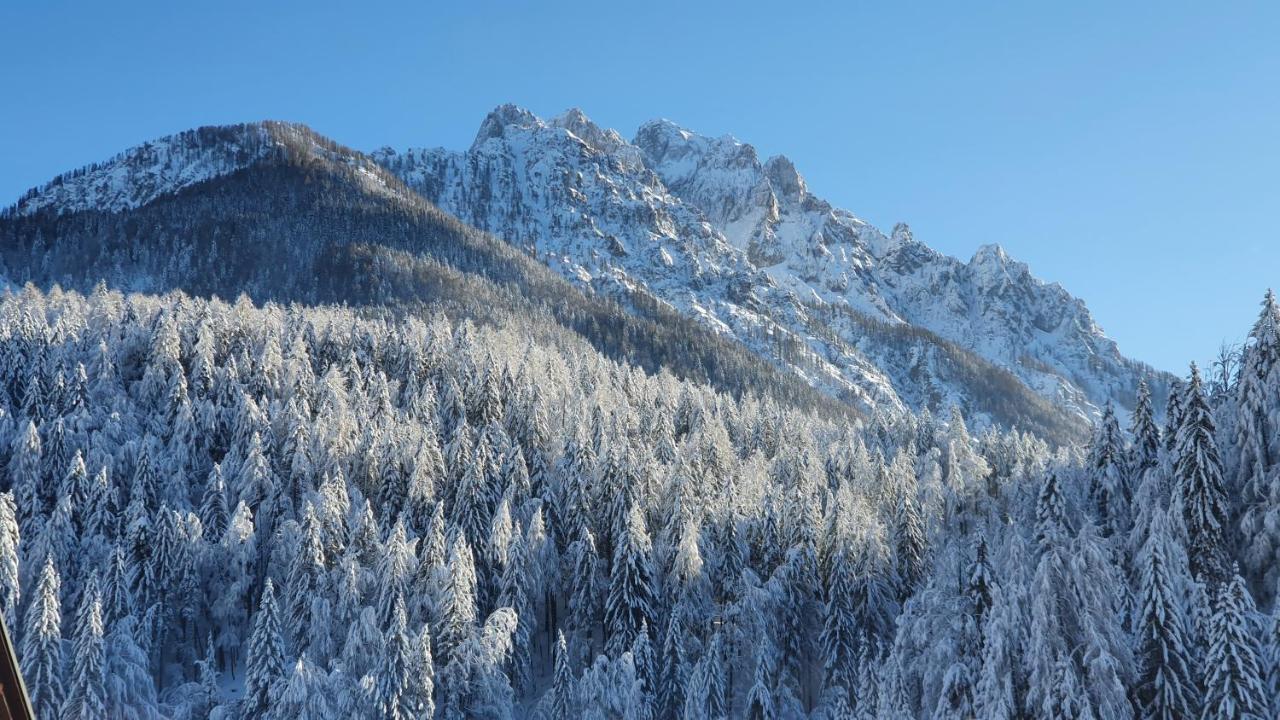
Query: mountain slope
point(992, 305)
point(303, 219)
point(693, 254)
point(743, 246)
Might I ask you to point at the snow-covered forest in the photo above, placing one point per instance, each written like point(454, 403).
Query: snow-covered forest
point(228, 511)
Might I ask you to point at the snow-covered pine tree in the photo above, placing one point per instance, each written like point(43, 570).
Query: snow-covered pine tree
point(629, 605)
point(562, 685)
point(264, 665)
point(41, 654)
point(1166, 686)
point(10, 537)
point(1144, 452)
point(86, 689)
point(1233, 673)
point(420, 702)
point(1200, 494)
point(841, 636)
point(1257, 445)
point(393, 683)
point(1051, 514)
point(1108, 488)
point(304, 581)
point(458, 601)
point(214, 514)
point(302, 695)
point(1173, 412)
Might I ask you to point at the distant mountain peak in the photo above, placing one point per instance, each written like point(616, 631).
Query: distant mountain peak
point(495, 124)
point(784, 178)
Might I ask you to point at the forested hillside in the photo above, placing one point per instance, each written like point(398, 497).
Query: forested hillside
point(216, 510)
point(280, 213)
point(303, 219)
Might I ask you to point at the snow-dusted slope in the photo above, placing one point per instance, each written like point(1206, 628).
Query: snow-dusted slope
point(706, 225)
point(992, 305)
point(583, 200)
point(703, 226)
point(170, 164)
point(143, 173)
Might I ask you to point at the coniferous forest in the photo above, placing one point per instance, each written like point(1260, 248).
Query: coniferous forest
point(216, 510)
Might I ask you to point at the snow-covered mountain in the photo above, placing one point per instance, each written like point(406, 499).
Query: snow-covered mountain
point(743, 245)
point(670, 224)
point(305, 220)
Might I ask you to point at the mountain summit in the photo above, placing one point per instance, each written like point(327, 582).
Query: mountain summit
point(744, 245)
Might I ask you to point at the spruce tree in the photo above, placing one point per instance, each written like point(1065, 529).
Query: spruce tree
point(421, 703)
point(562, 687)
point(9, 542)
point(1257, 444)
point(213, 504)
point(1108, 488)
point(86, 692)
point(1233, 683)
point(1198, 474)
point(42, 644)
point(392, 687)
point(304, 581)
point(1166, 685)
point(840, 632)
point(629, 604)
point(1051, 514)
point(1144, 453)
point(1271, 660)
point(458, 611)
point(265, 661)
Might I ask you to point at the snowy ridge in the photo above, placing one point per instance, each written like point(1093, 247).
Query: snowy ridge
point(154, 169)
point(143, 173)
point(705, 227)
point(991, 305)
point(742, 244)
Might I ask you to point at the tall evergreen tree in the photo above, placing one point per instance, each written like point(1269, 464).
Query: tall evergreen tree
point(1257, 444)
point(562, 690)
point(392, 688)
point(42, 644)
point(9, 541)
point(86, 694)
point(1108, 489)
point(1166, 686)
point(265, 663)
point(1233, 674)
point(629, 606)
point(1051, 514)
point(1144, 453)
point(1198, 474)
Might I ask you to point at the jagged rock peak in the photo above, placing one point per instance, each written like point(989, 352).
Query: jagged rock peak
point(500, 118)
point(664, 142)
point(991, 253)
point(784, 178)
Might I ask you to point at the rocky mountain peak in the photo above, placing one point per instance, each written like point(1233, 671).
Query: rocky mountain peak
point(495, 124)
point(785, 179)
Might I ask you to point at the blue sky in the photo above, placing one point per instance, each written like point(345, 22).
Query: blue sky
point(1131, 153)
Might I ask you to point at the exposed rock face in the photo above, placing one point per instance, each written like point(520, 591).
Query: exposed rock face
point(703, 224)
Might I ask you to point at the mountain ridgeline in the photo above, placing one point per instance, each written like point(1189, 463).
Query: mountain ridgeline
point(279, 213)
point(679, 251)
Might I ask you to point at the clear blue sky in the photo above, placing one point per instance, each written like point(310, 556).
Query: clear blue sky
point(1130, 153)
